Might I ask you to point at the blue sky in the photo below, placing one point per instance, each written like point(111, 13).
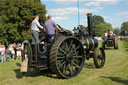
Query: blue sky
point(65, 12)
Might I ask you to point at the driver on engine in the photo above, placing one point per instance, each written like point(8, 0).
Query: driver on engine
point(50, 31)
point(110, 33)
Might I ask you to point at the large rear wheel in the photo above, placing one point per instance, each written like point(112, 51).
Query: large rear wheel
point(67, 57)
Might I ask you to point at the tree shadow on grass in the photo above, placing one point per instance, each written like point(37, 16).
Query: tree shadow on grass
point(117, 79)
point(34, 73)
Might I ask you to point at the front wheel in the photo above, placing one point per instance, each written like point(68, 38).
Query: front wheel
point(99, 57)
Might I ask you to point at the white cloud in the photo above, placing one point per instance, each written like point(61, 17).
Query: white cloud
point(93, 3)
point(58, 19)
point(106, 17)
point(67, 1)
point(72, 11)
point(99, 2)
point(122, 13)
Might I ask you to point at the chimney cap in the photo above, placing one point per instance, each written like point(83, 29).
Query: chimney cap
point(89, 14)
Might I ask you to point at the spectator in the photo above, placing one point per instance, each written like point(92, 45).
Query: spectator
point(9, 52)
point(22, 48)
point(13, 51)
point(2, 51)
point(18, 51)
point(14, 47)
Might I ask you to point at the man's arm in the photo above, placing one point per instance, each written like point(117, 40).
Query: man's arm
point(38, 24)
point(58, 27)
point(55, 25)
point(44, 29)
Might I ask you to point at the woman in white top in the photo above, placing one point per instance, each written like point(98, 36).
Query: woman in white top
point(2, 50)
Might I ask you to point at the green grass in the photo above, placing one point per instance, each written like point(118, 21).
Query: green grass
point(115, 72)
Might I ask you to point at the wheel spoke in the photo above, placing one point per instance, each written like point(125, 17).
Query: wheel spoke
point(61, 63)
point(100, 59)
point(70, 45)
point(60, 57)
point(75, 64)
point(60, 54)
point(77, 47)
point(72, 66)
point(62, 51)
point(76, 60)
point(70, 69)
point(73, 48)
point(77, 56)
point(75, 52)
point(64, 68)
point(66, 46)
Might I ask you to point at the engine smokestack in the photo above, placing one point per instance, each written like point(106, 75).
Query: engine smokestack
point(90, 24)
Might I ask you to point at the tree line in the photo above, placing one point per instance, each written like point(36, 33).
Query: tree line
point(100, 27)
point(16, 17)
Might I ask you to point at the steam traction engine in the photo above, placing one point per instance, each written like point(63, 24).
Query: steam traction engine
point(110, 41)
point(66, 55)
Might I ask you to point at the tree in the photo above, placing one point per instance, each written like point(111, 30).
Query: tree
point(124, 28)
point(100, 26)
point(16, 17)
point(117, 31)
point(97, 20)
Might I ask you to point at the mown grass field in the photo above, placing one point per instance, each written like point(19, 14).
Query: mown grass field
point(115, 72)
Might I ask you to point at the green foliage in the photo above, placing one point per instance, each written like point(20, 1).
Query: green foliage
point(117, 31)
point(16, 17)
point(124, 28)
point(100, 26)
point(98, 20)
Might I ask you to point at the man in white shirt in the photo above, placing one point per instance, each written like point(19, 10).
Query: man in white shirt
point(35, 30)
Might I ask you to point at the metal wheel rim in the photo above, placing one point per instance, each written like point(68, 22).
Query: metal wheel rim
point(100, 57)
point(71, 62)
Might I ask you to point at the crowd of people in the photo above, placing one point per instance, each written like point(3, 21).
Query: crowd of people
point(11, 52)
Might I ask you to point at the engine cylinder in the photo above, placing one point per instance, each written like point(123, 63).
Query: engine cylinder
point(90, 44)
